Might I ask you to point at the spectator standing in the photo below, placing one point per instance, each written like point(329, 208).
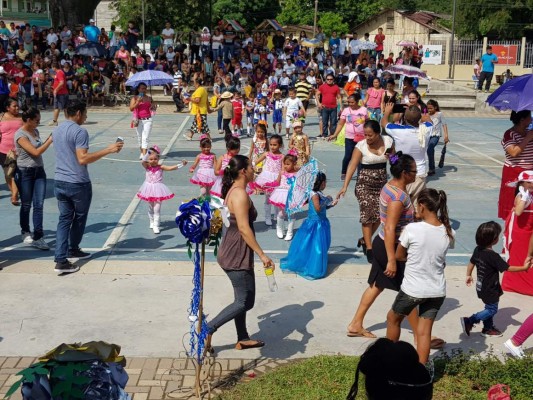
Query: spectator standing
point(91, 32)
point(60, 92)
point(132, 36)
point(27, 37)
point(303, 89)
point(205, 40)
point(487, 69)
point(73, 188)
point(278, 41)
point(217, 40)
point(354, 49)
point(229, 42)
point(113, 42)
point(328, 98)
point(334, 45)
point(4, 35)
point(194, 42)
point(66, 37)
point(9, 125)
point(168, 35)
point(51, 37)
point(378, 40)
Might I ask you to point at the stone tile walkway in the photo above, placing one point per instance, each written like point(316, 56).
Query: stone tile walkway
point(159, 378)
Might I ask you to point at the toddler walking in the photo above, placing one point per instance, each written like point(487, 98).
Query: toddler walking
point(267, 180)
point(153, 190)
point(278, 198)
point(489, 264)
point(205, 161)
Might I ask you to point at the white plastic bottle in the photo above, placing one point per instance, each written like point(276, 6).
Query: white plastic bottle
point(272, 285)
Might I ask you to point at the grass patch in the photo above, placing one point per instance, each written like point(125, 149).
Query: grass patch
point(458, 376)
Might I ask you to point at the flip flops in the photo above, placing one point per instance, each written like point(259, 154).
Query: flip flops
point(362, 333)
point(249, 344)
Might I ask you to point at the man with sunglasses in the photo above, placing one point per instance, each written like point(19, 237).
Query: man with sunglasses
point(328, 98)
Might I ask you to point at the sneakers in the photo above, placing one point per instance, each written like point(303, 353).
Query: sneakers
point(26, 238)
point(467, 325)
point(78, 254)
point(514, 350)
point(52, 123)
point(66, 267)
point(40, 244)
point(492, 332)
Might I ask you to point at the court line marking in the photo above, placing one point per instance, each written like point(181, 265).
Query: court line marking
point(118, 230)
point(480, 153)
point(140, 250)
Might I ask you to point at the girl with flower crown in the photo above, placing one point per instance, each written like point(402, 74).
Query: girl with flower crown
point(153, 190)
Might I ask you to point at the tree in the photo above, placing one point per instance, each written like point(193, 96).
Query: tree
point(72, 12)
point(355, 12)
point(248, 13)
point(331, 21)
point(297, 12)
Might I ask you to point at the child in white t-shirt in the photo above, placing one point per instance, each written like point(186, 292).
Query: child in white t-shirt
point(424, 245)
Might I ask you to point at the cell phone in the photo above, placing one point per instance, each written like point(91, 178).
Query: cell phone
point(388, 151)
point(141, 95)
point(398, 108)
point(120, 139)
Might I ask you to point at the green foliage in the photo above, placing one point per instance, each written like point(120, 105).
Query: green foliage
point(458, 376)
point(331, 21)
point(297, 12)
point(355, 12)
point(248, 13)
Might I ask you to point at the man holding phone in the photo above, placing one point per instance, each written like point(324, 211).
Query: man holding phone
point(72, 186)
point(411, 138)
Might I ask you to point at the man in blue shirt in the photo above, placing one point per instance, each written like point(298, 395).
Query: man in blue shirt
point(487, 69)
point(91, 31)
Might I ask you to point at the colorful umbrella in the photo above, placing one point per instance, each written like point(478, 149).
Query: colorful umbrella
point(151, 78)
point(406, 43)
point(301, 187)
point(407, 70)
point(312, 43)
point(515, 94)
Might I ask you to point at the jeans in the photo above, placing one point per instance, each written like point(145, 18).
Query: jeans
point(433, 141)
point(349, 146)
point(31, 183)
point(329, 120)
point(228, 52)
point(5, 44)
point(73, 201)
point(206, 51)
point(195, 52)
point(486, 316)
point(243, 282)
point(217, 53)
point(485, 76)
point(219, 120)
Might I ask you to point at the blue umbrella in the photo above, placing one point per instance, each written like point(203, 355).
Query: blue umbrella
point(515, 94)
point(150, 77)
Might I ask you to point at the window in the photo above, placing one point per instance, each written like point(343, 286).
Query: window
point(4, 4)
point(390, 23)
point(28, 6)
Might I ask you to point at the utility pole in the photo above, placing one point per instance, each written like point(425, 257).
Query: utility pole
point(451, 70)
point(144, 17)
point(316, 12)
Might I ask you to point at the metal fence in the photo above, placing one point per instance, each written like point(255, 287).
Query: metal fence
point(529, 56)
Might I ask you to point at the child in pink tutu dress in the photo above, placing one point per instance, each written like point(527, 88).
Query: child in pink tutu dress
point(153, 190)
point(233, 147)
point(268, 179)
point(278, 197)
point(205, 161)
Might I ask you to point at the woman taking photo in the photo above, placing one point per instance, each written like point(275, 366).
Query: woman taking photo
point(353, 118)
point(10, 122)
point(31, 177)
point(142, 107)
point(517, 143)
point(371, 155)
point(236, 252)
point(396, 211)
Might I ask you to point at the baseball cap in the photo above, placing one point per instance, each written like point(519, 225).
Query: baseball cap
point(91, 20)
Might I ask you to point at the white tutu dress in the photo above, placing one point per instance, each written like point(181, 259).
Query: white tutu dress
point(217, 187)
point(279, 196)
point(205, 173)
point(153, 189)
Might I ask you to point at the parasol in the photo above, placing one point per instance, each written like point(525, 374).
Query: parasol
point(407, 43)
point(301, 187)
point(312, 43)
point(366, 45)
point(151, 78)
point(407, 70)
point(515, 94)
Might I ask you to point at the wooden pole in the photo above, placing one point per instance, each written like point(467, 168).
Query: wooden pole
point(200, 318)
point(314, 23)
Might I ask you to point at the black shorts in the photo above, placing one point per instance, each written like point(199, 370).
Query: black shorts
point(61, 101)
point(379, 265)
point(427, 307)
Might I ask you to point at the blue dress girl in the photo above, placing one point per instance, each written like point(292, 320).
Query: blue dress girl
point(308, 254)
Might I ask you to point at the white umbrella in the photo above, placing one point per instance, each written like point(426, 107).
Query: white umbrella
point(407, 70)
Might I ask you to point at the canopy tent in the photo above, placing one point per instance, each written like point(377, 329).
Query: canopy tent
point(234, 24)
point(269, 25)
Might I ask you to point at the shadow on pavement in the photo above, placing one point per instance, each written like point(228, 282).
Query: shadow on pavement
point(277, 325)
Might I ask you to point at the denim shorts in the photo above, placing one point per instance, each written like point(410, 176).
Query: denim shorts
point(427, 308)
point(61, 101)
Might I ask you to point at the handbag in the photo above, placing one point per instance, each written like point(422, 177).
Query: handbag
point(10, 164)
point(497, 392)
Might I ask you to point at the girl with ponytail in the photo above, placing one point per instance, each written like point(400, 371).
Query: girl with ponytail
point(424, 245)
point(236, 252)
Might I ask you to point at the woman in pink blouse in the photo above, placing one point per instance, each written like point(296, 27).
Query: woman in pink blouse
point(10, 123)
point(373, 98)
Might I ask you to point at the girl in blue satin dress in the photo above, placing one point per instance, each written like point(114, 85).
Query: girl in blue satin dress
point(308, 254)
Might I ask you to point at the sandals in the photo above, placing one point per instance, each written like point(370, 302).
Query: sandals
point(436, 343)
point(249, 344)
point(362, 333)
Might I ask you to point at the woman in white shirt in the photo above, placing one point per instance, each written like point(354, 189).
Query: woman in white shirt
point(216, 44)
point(424, 245)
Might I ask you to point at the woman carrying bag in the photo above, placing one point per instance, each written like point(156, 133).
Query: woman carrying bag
point(10, 122)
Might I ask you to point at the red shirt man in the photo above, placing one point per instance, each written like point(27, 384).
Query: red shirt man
point(60, 82)
point(331, 96)
point(379, 39)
